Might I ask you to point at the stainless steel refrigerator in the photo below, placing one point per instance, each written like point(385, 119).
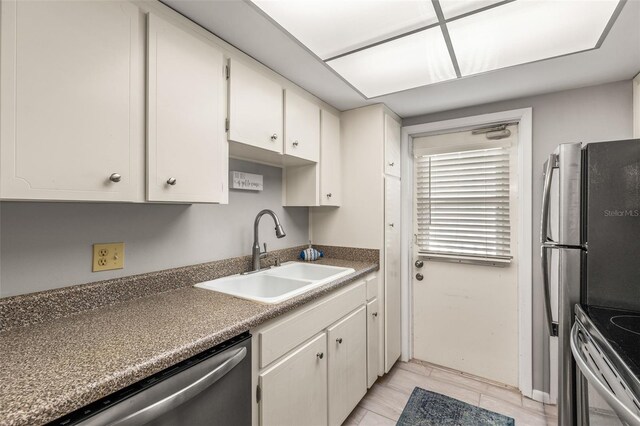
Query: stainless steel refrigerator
point(590, 253)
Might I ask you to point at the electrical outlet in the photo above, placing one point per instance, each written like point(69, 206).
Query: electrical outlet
point(108, 256)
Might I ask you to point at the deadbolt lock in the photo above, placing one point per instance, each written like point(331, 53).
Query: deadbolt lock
point(419, 263)
point(419, 276)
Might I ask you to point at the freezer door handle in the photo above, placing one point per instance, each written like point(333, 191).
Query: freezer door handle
point(625, 414)
point(553, 326)
point(155, 409)
point(549, 165)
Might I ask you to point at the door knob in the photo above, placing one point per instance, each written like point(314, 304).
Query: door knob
point(419, 263)
point(171, 181)
point(339, 340)
point(274, 136)
point(320, 355)
point(419, 276)
point(115, 177)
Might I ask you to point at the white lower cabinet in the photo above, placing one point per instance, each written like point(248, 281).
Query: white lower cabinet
point(372, 341)
point(294, 391)
point(311, 365)
point(347, 347)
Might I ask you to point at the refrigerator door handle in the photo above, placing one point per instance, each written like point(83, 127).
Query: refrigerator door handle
point(550, 164)
point(553, 326)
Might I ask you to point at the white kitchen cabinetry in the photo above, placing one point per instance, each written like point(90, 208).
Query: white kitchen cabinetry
point(255, 109)
point(330, 165)
point(392, 317)
point(186, 144)
point(391, 146)
point(347, 347)
point(370, 202)
point(294, 391)
point(301, 127)
point(316, 350)
point(72, 88)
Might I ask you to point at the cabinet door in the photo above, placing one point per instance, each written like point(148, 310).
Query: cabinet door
point(330, 160)
point(392, 215)
point(347, 344)
point(373, 342)
point(391, 146)
point(294, 391)
point(301, 127)
point(186, 154)
point(72, 88)
point(255, 108)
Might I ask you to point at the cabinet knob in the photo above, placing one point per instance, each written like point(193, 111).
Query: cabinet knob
point(392, 163)
point(115, 177)
point(339, 340)
point(329, 195)
point(320, 355)
point(295, 143)
point(419, 263)
point(392, 224)
point(419, 276)
point(274, 137)
point(374, 314)
point(172, 181)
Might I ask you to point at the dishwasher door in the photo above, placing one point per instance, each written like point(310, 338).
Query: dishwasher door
point(212, 388)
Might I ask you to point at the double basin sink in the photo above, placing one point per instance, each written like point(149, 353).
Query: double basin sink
point(277, 284)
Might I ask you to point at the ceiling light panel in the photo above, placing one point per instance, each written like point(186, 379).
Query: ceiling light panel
point(415, 60)
point(333, 27)
point(453, 8)
point(527, 31)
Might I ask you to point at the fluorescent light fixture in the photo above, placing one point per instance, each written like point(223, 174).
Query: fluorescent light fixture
point(385, 46)
point(332, 27)
point(415, 60)
point(527, 31)
point(453, 8)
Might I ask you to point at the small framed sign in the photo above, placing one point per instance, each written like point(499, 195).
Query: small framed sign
point(246, 181)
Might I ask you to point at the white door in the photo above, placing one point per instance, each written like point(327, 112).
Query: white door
point(187, 154)
point(392, 151)
point(301, 127)
point(392, 316)
point(347, 347)
point(294, 391)
point(72, 88)
point(255, 108)
point(465, 309)
point(330, 160)
point(373, 341)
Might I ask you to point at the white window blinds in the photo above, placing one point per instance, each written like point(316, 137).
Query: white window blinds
point(463, 204)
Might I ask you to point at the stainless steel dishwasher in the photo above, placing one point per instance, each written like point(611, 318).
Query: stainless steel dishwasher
point(212, 388)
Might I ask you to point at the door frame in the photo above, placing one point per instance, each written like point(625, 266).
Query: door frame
point(524, 118)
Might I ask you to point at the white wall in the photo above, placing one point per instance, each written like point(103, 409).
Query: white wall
point(48, 245)
point(597, 113)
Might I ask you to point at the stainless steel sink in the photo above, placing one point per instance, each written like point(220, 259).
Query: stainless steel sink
point(277, 284)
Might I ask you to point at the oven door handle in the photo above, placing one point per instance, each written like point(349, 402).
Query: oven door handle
point(621, 409)
point(155, 409)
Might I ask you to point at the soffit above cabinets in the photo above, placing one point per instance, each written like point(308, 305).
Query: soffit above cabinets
point(381, 47)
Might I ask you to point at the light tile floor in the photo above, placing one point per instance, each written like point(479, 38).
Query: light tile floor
point(384, 402)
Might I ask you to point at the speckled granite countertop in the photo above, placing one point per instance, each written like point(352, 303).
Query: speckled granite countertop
point(55, 367)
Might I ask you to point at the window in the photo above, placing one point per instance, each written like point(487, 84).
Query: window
point(462, 209)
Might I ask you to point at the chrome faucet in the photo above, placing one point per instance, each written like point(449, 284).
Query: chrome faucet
point(256, 254)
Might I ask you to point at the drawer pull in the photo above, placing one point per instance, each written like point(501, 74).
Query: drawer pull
point(115, 177)
point(172, 181)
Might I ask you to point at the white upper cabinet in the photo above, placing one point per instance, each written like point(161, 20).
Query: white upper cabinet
point(186, 145)
point(301, 127)
point(255, 108)
point(72, 112)
point(391, 146)
point(330, 160)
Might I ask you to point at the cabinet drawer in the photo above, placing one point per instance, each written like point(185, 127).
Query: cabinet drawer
point(372, 286)
point(281, 337)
